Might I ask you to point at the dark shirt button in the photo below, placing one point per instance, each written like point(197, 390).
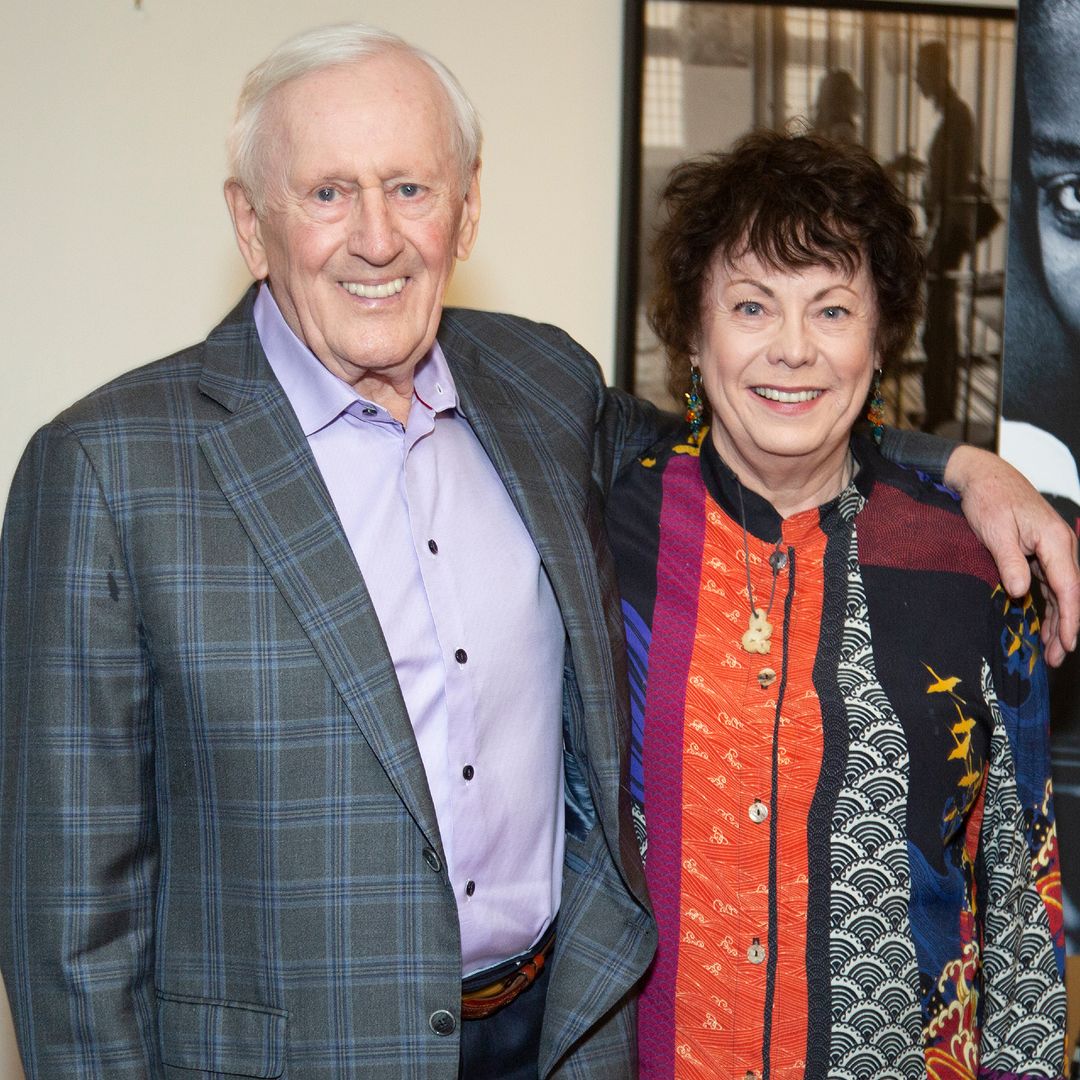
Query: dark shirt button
point(470, 888)
point(461, 656)
point(433, 547)
point(367, 410)
point(468, 772)
point(432, 859)
point(442, 1022)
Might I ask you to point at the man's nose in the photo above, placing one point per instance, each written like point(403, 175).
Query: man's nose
point(373, 233)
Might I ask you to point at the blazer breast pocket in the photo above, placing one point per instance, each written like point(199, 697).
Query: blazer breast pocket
point(208, 1035)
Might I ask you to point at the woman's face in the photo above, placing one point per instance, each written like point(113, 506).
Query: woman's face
point(1055, 161)
point(786, 360)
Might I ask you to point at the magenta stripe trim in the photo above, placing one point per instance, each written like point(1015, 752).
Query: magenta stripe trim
point(678, 580)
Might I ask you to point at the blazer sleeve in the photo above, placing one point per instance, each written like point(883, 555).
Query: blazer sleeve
point(626, 426)
point(1023, 1011)
point(917, 450)
point(78, 850)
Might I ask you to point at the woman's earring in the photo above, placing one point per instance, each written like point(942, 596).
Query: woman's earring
point(876, 413)
point(694, 407)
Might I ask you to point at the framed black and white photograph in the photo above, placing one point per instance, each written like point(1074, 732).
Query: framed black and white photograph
point(927, 89)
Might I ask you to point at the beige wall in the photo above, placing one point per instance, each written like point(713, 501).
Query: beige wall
point(116, 244)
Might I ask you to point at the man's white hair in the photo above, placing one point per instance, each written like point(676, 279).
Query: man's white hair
point(250, 148)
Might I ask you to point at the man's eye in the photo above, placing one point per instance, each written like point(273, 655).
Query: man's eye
point(1063, 195)
point(325, 194)
point(410, 191)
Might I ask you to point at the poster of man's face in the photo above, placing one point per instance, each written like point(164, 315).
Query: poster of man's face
point(1040, 425)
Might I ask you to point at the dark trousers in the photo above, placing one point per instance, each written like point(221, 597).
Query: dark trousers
point(506, 1046)
point(941, 343)
point(941, 326)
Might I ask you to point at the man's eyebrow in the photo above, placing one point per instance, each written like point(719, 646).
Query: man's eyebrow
point(1048, 146)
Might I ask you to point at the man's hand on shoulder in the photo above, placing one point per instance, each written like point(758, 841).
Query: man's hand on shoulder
point(1016, 523)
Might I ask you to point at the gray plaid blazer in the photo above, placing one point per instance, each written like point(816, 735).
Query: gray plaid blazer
point(218, 851)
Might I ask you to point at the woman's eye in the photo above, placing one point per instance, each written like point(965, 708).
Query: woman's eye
point(749, 307)
point(834, 311)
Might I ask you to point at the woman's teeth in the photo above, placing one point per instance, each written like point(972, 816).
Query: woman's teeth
point(786, 397)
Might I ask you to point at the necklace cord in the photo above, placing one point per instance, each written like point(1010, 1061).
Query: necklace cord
point(774, 564)
point(774, 836)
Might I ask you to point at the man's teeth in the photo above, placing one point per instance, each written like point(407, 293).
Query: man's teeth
point(786, 397)
point(374, 292)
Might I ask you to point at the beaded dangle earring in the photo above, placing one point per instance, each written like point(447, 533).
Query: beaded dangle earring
point(694, 407)
point(876, 413)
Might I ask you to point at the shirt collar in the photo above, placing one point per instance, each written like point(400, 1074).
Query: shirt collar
point(318, 396)
point(757, 513)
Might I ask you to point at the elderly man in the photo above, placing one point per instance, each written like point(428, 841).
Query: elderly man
point(313, 701)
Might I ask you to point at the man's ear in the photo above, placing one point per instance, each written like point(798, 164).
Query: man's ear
point(469, 225)
point(248, 228)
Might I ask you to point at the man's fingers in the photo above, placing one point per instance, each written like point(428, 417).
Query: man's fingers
point(1058, 569)
point(1014, 569)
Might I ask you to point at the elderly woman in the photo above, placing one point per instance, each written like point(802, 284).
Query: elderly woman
point(840, 717)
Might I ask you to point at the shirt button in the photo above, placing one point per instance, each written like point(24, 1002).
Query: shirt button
point(470, 888)
point(431, 857)
point(758, 811)
point(766, 677)
point(367, 410)
point(433, 547)
point(442, 1022)
point(468, 772)
point(460, 655)
point(756, 953)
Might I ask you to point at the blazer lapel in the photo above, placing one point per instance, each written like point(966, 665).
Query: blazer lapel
point(265, 469)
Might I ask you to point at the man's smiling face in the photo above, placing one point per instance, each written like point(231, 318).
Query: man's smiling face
point(364, 214)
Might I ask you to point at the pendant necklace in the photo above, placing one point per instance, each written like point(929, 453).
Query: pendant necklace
point(759, 629)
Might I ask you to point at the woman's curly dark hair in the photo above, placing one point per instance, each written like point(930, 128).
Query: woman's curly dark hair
point(793, 201)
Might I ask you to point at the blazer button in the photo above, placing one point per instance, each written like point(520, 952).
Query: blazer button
point(432, 859)
point(442, 1022)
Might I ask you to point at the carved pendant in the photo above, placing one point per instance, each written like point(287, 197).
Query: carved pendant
point(758, 633)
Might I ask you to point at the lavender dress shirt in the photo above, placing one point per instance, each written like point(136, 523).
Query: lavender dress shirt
point(471, 624)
